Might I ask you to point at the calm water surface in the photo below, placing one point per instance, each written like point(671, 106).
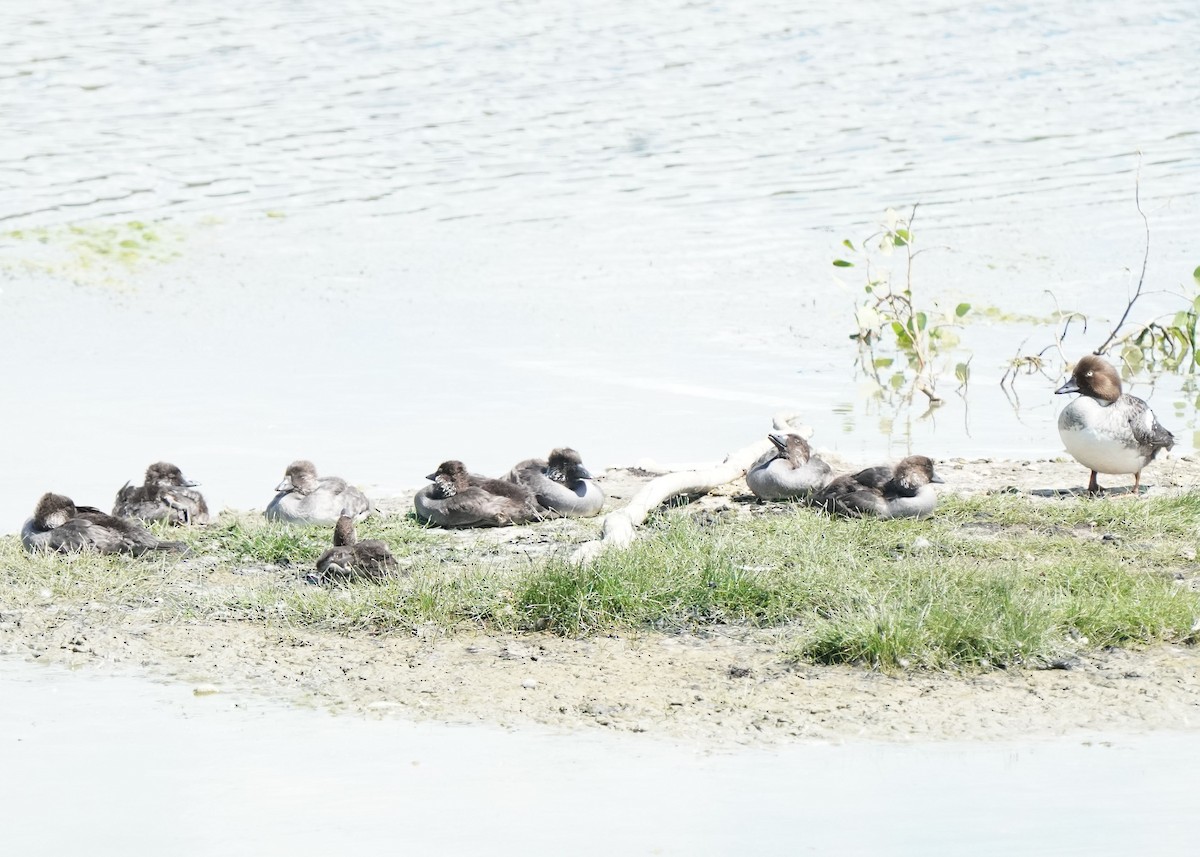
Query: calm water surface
point(113, 765)
point(386, 234)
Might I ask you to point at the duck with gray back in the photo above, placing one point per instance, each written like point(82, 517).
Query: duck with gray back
point(350, 559)
point(61, 526)
point(1105, 430)
point(164, 496)
point(903, 491)
point(561, 484)
point(789, 471)
point(452, 501)
point(305, 499)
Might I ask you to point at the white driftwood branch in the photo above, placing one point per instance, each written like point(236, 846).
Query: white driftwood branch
point(618, 528)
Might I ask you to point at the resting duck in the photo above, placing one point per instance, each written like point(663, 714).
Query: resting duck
point(165, 496)
point(59, 525)
point(789, 471)
point(904, 491)
point(561, 484)
point(1105, 430)
point(305, 499)
point(350, 559)
point(456, 499)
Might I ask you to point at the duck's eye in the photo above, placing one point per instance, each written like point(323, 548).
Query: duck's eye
point(1089, 374)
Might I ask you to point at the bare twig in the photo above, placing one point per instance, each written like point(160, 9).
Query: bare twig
point(1137, 198)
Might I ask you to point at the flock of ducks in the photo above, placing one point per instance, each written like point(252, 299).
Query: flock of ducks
point(535, 489)
point(1103, 429)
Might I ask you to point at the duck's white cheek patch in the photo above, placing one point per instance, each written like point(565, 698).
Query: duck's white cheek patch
point(1148, 421)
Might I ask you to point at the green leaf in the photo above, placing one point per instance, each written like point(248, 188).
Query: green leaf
point(1196, 274)
point(922, 320)
point(883, 362)
point(963, 372)
point(962, 309)
point(842, 263)
point(901, 238)
point(846, 243)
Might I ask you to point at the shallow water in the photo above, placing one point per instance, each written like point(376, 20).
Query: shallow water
point(107, 764)
point(389, 234)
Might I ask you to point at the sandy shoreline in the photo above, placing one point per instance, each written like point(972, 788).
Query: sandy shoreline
point(721, 686)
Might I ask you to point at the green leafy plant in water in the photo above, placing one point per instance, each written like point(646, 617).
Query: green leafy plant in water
point(1166, 344)
point(899, 339)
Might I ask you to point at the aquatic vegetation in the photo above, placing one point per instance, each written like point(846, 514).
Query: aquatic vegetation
point(899, 338)
point(1164, 344)
point(98, 253)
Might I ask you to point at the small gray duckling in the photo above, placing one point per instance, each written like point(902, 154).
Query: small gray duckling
point(305, 499)
point(165, 496)
point(453, 501)
point(350, 559)
point(561, 484)
point(789, 471)
point(904, 491)
point(59, 525)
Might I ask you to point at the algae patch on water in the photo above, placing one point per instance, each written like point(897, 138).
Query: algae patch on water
point(103, 253)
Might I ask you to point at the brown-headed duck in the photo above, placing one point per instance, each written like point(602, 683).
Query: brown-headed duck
point(561, 484)
point(305, 499)
point(59, 525)
point(164, 496)
point(789, 471)
point(453, 501)
point(1105, 430)
point(350, 559)
point(903, 491)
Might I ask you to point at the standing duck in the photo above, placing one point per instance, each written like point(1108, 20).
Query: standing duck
point(59, 525)
point(165, 496)
point(1106, 430)
point(903, 491)
point(305, 499)
point(561, 484)
point(456, 499)
point(789, 471)
point(350, 559)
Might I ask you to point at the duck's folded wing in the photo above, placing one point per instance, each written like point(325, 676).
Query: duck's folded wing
point(1147, 430)
point(874, 477)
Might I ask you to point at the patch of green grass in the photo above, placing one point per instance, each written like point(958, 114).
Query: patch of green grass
point(991, 581)
point(988, 581)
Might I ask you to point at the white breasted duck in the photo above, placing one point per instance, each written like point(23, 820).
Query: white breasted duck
point(903, 491)
point(165, 496)
point(59, 525)
point(789, 471)
point(1106, 430)
point(305, 499)
point(561, 484)
point(458, 499)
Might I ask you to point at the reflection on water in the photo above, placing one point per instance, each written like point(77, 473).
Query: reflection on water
point(386, 234)
point(112, 765)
